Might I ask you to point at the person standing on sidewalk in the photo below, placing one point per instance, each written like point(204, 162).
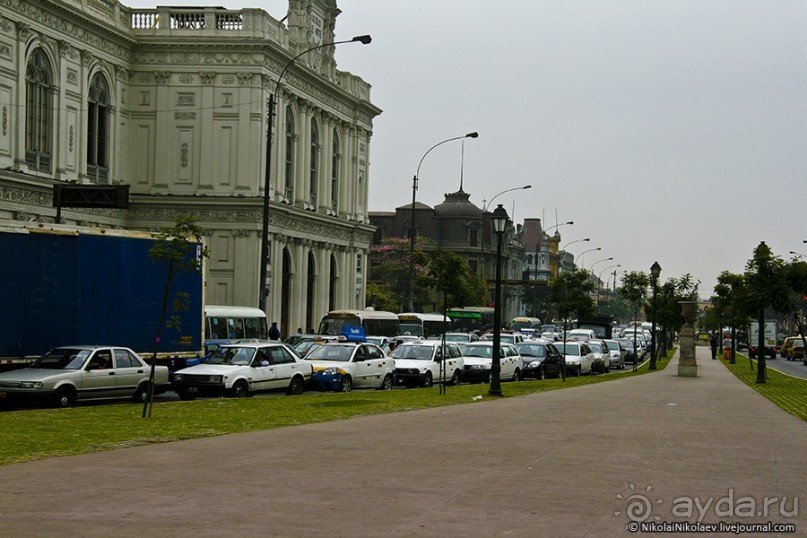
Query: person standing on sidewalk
point(274, 332)
point(713, 342)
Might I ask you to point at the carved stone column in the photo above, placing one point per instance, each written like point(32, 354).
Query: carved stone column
point(687, 365)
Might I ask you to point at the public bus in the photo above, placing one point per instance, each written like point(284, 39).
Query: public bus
point(225, 322)
point(471, 318)
point(523, 322)
point(375, 322)
point(425, 325)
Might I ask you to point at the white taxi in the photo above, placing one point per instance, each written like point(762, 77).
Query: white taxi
point(478, 358)
point(239, 370)
point(423, 362)
point(342, 366)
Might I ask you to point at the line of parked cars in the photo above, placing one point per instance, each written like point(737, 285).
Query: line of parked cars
point(69, 374)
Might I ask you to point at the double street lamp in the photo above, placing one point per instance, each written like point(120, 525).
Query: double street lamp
point(263, 290)
point(499, 218)
point(655, 271)
point(567, 245)
point(412, 229)
point(599, 282)
point(591, 270)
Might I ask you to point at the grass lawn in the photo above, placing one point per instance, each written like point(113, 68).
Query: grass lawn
point(34, 434)
point(788, 392)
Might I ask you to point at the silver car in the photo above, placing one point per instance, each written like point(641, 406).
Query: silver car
point(65, 375)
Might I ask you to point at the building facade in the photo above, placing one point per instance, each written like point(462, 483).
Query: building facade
point(172, 102)
point(458, 225)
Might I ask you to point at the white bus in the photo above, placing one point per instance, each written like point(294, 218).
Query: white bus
point(226, 322)
point(425, 325)
point(524, 322)
point(375, 322)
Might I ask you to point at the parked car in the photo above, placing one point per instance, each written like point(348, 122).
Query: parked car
point(578, 356)
point(343, 366)
point(65, 375)
point(479, 361)
point(424, 362)
point(631, 353)
point(240, 370)
point(581, 334)
point(796, 350)
point(617, 353)
point(462, 337)
point(787, 344)
point(602, 357)
point(540, 358)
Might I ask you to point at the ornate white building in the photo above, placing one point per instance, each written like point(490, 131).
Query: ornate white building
point(173, 102)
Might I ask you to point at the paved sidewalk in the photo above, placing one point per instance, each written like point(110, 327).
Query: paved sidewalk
point(564, 463)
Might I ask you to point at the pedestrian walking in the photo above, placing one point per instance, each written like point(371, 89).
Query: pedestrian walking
point(274, 332)
point(713, 341)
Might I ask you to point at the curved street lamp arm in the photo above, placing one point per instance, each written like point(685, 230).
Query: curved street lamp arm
point(488, 204)
point(469, 135)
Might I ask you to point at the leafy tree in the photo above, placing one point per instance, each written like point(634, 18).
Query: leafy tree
point(571, 293)
point(389, 266)
point(178, 248)
point(731, 304)
point(382, 297)
point(634, 291)
point(450, 275)
point(766, 287)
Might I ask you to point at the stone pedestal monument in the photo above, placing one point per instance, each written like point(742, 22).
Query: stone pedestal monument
point(687, 365)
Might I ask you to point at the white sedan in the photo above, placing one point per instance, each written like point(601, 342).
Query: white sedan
point(341, 366)
point(579, 358)
point(241, 369)
point(479, 361)
point(424, 362)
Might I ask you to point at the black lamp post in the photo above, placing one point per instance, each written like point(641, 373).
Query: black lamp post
point(263, 290)
point(499, 218)
point(655, 271)
point(412, 228)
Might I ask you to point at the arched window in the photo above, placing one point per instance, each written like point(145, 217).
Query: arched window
point(336, 156)
point(38, 114)
point(97, 125)
point(313, 188)
point(290, 136)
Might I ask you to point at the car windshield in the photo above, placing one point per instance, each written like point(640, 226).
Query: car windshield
point(531, 350)
point(456, 338)
point(569, 349)
point(418, 353)
point(232, 355)
point(595, 347)
point(486, 352)
point(331, 352)
point(613, 345)
point(62, 359)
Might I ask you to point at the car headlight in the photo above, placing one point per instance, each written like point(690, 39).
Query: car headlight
point(330, 371)
point(214, 379)
point(478, 367)
point(30, 384)
point(572, 360)
point(535, 364)
point(178, 377)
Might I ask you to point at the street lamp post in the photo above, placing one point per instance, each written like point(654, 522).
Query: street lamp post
point(485, 206)
point(263, 290)
point(499, 219)
point(412, 229)
point(599, 281)
point(655, 271)
point(589, 250)
point(567, 245)
point(591, 269)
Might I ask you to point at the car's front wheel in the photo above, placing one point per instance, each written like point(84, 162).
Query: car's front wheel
point(296, 387)
point(517, 375)
point(427, 380)
point(456, 378)
point(240, 389)
point(65, 397)
point(345, 384)
point(141, 395)
point(387, 383)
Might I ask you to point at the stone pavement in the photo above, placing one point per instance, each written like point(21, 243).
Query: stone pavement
point(572, 462)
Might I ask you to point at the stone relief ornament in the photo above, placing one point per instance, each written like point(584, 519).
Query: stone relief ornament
point(5, 120)
point(186, 99)
point(184, 115)
point(145, 98)
point(228, 80)
point(72, 77)
point(245, 79)
point(162, 77)
point(183, 155)
point(186, 79)
point(208, 77)
point(70, 140)
point(5, 52)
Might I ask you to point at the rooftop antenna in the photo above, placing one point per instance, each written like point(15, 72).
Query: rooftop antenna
point(462, 164)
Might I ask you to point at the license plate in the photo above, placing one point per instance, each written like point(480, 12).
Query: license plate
point(193, 389)
point(3, 395)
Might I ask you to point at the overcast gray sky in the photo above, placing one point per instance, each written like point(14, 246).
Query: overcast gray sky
point(668, 130)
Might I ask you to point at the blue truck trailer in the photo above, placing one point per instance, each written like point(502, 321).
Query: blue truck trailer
point(68, 285)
